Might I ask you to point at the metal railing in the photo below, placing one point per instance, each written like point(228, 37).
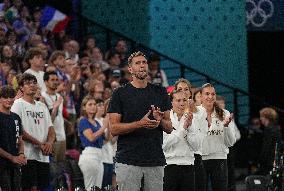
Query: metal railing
point(239, 101)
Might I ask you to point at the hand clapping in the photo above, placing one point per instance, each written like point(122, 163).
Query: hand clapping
point(148, 123)
point(188, 120)
point(228, 119)
point(157, 113)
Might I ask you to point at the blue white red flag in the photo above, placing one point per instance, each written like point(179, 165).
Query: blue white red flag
point(53, 20)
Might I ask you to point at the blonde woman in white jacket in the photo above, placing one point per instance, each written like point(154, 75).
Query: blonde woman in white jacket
point(179, 146)
point(215, 137)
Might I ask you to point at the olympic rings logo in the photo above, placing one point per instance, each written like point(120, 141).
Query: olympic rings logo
point(258, 13)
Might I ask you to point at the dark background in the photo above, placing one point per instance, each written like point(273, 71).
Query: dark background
point(266, 71)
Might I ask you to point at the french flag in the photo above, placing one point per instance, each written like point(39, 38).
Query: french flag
point(53, 20)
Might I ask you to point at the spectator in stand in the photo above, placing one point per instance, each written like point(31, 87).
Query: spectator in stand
point(86, 74)
point(34, 40)
point(22, 25)
point(54, 103)
point(157, 75)
point(12, 155)
point(97, 57)
point(197, 96)
point(34, 58)
point(72, 50)
point(7, 55)
point(96, 70)
point(57, 59)
point(36, 19)
point(84, 59)
point(122, 49)
point(115, 75)
point(11, 79)
point(113, 60)
point(11, 38)
point(73, 72)
point(69, 75)
point(89, 44)
point(107, 93)
point(271, 137)
point(4, 71)
point(91, 136)
point(38, 134)
point(96, 89)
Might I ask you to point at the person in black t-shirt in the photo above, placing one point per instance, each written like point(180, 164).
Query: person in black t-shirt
point(11, 143)
point(139, 113)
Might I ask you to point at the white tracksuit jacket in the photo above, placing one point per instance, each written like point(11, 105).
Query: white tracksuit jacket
point(180, 145)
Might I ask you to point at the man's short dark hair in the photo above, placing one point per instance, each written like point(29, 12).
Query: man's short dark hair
point(7, 92)
point(26, 77)
point(47, 74)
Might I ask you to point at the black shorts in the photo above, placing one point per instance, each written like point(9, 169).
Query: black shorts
point(35, 173)
point(10, 178)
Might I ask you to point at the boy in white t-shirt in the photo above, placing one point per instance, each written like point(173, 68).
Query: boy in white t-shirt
point(34, 58)
point(38, 134)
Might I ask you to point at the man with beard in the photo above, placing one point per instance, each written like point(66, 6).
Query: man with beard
point(139, 112)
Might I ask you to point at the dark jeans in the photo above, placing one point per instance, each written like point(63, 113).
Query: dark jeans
point(108, 172)
point(35, 173)
point(200, 179)
point(10, 178)
point(179, 178)
point(217, 171)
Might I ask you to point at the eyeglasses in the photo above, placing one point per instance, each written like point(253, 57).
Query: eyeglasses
point(29, 82)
